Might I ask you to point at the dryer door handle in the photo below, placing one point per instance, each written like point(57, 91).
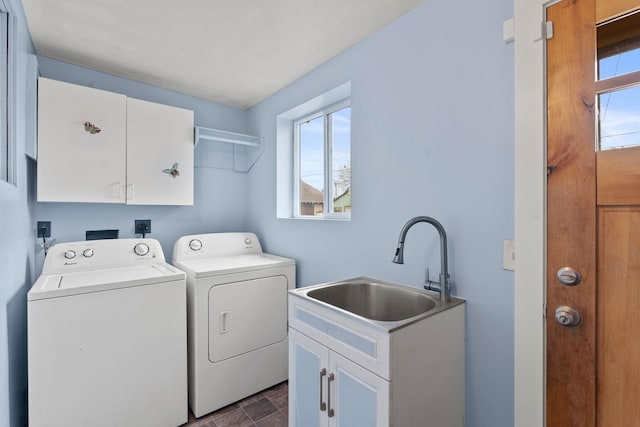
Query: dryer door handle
point(224, 322)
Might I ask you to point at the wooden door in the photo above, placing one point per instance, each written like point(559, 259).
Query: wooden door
point(593, 226)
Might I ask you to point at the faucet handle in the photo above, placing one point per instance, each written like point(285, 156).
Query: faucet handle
point(428, 283)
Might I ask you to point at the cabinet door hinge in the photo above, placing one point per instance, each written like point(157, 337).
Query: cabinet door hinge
point(547, 30)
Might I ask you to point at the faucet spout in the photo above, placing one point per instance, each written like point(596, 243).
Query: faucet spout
point(445, 285)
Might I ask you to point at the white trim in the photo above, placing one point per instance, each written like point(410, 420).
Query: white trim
point(530, 214)
point(8, 167)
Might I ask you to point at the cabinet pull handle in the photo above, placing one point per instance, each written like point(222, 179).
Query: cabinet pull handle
point(330, 411)
point(323, 406)
point(117, 190)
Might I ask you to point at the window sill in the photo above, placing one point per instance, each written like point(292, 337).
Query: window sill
point(320, 218)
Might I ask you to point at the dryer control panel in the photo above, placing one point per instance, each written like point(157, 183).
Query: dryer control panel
point(215, 245)
point(100, 254)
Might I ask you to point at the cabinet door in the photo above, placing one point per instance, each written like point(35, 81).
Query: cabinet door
point(159, 137)
point(307, 359)
point(358, 396)
point(76, 163)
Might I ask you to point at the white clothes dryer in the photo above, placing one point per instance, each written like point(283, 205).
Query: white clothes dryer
point(107, 337)
point(237, 317)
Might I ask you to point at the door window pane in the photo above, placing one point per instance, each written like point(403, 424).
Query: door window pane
point(619, 116)
point(619, 47)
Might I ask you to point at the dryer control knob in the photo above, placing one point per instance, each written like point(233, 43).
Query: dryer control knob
point(141, 249)
point(247, 241)
point(87, 253)
point(70, 254)
point(195, 245)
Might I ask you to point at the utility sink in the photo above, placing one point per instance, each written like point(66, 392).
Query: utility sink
point(387, 305)
point(375, 300)
point(371, 352)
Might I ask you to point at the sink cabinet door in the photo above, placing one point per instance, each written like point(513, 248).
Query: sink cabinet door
point(307, 358)
point(358, 396)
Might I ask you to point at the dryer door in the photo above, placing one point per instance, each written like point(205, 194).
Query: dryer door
point(246, 315)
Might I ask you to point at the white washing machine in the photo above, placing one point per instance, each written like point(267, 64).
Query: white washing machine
point(107, 337)
point(237, 317)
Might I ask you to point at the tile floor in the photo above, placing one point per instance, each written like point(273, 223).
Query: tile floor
point(269, 408)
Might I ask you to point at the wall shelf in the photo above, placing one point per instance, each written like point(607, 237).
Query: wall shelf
point(227, 150)
point(206, 134)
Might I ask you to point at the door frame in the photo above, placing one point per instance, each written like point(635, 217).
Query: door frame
point(530, 213)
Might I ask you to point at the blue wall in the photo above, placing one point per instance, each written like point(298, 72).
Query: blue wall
point(432, 134)
point(17, 244)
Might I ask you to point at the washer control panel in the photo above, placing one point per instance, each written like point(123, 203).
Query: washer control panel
point(97, 254)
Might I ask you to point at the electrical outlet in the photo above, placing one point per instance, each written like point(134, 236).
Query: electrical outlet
point(44, 229)
point(142, 226)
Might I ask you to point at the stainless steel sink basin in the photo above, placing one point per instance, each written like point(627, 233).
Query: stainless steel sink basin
point(374, 300)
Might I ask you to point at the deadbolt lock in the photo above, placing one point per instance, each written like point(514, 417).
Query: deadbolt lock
point(568, 276)
point(567, 316)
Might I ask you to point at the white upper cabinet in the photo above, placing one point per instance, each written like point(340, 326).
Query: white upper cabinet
point(102, 147)
point(159, 154)
point(78, 163)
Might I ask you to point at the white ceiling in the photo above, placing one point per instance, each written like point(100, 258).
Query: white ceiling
point(236, 52)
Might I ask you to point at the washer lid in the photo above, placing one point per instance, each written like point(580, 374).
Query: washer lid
point(207, 267)
point(58, 285)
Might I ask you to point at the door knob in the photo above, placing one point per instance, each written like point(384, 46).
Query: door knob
point(567, 316)
point(568, 276)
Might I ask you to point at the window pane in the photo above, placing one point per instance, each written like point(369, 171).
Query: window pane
point(311, 137)
point(619, 118)
point(341, 159)
point(622, 63)
point(619, 47)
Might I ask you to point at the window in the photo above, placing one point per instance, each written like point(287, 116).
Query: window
point(7, 143)
point(313, 158)
point(322, 162)
point(618, 83)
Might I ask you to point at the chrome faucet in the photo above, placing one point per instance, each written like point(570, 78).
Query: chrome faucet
point(444, 285)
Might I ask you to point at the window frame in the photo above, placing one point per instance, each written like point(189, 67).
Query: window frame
point(328, 196)
point(7, 95)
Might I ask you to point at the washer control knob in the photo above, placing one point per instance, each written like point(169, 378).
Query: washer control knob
point(195, 244)
point(87, 253)
point(70, 254)
point(247, 241)
point(141, 249)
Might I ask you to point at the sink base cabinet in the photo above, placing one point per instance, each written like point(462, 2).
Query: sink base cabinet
point(326, 389)
point(407, 377)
